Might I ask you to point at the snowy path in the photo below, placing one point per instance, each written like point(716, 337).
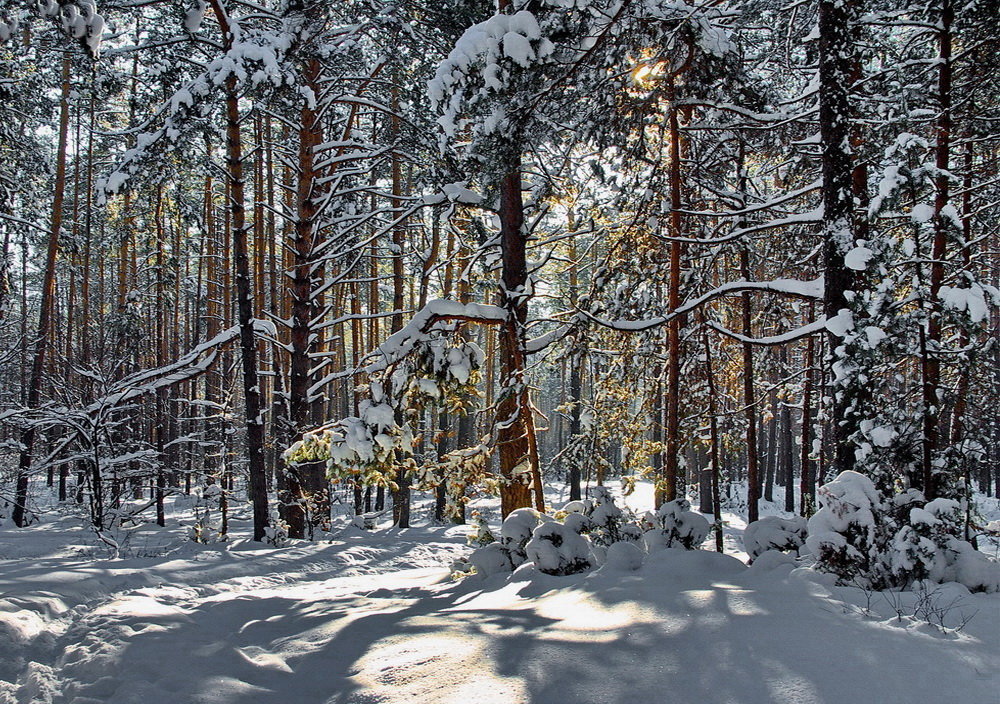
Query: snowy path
point(164, 629)
point(375, 618)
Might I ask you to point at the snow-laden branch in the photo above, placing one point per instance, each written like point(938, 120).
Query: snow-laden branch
point(758, 207)
point(811, 216)
point(791, 287)
point(544, 340)
point(398, 345)
point(194, 363)
point(785, 337)
point(78, 19)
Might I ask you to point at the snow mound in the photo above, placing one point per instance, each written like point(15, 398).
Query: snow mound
point(491, 559)
point(623, 557)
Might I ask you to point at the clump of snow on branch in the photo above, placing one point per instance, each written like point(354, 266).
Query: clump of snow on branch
point(359, 447)
point(442, 371)
point(78, 19)
point(491, 46)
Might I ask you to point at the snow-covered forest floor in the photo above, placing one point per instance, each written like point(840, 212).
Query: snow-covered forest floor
point(377, 617)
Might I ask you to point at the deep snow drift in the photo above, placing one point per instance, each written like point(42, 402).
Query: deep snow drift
point(377, 617)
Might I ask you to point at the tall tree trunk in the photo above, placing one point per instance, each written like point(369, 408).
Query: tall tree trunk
point(401, 496)
point(517, 465)
point(836, 49)
point(749, 398)
point(19, 513)
point(670, 483)
point(807, 489)
point(957, 430)
point(576, 361)
point(787, 457)
point(518, 450)
point(713, 424)
point(931, 358)
point(771, 456)
point(159, 425)
point(300, 479)
point(244, 299)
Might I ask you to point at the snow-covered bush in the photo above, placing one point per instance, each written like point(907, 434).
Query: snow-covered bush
point(774, 533)
point(918, 550)
point(491, 559)
point(517, 530)
point(609, 523)
point(971, 568)
point(557, 549)
point(585, 506)
point(676, 525)
point(508, 553)
point(897, 542)
point(581, 540)
point(843, 533)
point(276, 531)
point(928, 546)
point(579, 523)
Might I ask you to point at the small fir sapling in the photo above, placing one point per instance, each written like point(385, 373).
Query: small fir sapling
point(458, 470)
point(481, 534)
point(897, 542)
point(610, 523)
point(843, 533)
point(928, 547)
point(206, 527)
point(579, 523)
point(675, 526)
point(557, 549)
